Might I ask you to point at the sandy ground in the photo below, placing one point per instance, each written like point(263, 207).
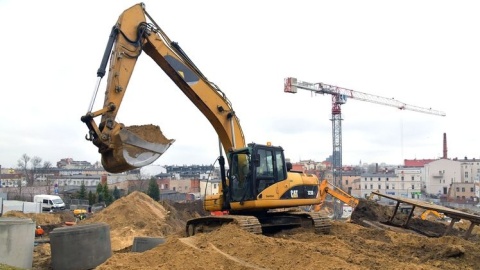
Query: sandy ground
point(365, 243)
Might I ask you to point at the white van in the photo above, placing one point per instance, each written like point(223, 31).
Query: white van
point(49, 202)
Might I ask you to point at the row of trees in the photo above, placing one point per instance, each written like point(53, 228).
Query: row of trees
point(32, 166)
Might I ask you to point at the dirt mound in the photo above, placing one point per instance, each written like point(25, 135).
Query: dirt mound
point(48, 221)
point(370, 210)
point(349, 246)
point(134, 215)
point(43, 218)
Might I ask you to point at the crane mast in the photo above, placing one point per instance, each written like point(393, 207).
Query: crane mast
point(339, 97)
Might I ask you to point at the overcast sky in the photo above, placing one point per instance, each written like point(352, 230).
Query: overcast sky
point(423, 53)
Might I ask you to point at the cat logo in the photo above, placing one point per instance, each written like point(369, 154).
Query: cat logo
point(294, 193)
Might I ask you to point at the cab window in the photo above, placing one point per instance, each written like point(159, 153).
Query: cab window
point(280, 166)
point(265, 168)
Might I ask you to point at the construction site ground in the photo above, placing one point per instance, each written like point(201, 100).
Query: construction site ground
point(366, 242)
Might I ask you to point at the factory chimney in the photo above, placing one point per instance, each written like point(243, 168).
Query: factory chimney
point(445, 156)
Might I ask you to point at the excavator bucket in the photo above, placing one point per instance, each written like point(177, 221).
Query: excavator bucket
point(135, 147)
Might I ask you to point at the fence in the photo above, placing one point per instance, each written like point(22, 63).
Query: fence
point(176, 197)
point(77, 204)
point(25, 207)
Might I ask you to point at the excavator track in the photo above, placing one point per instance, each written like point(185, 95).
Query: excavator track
point(249, 223)
point(277, 221)
point(210, 223)
point(321, 223)
point(258, 225)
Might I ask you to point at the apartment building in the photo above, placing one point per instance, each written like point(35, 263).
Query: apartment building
point(388, 183)
point(348, 180)
point(210, 187)
point(440, 175)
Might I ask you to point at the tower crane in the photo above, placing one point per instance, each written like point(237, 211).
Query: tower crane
point(339, 97)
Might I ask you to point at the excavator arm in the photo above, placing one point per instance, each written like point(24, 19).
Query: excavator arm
point(125, 148)
point(326, 188)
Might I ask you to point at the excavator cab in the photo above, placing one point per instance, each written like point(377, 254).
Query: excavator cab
point(253, 169)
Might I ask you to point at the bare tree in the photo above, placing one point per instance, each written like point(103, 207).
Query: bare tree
point(47, 165)
point(140, 182)
point(31, 167)
point(36, 165)
point(143, 179)
point(22, 164)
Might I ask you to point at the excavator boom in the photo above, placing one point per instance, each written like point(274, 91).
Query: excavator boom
point(125, 148)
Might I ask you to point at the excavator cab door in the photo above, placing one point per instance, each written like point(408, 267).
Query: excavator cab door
point(240, 176)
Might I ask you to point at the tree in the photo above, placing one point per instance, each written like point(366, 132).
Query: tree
point(140, 183)
point(46, 169)
point(91, 197)
point(22, 164)
point(107, 195)
point(82, 193)
point(31, 172)
point(47, 165)
point(36, 165)
point(116, 193)
point(100, 197)
point(153, 190)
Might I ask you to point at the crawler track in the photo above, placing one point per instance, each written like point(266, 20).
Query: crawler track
point(320, 222)
point(210, 223)
point(258, 225)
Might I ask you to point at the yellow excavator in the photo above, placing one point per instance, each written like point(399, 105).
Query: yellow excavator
point(258, 190)
point(326, 188)
point(427, 213)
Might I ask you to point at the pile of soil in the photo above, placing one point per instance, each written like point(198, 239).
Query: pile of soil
point(134, 215)
point(48, 221)
point(350, 245)
point(44, 218)
point(150, 133)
